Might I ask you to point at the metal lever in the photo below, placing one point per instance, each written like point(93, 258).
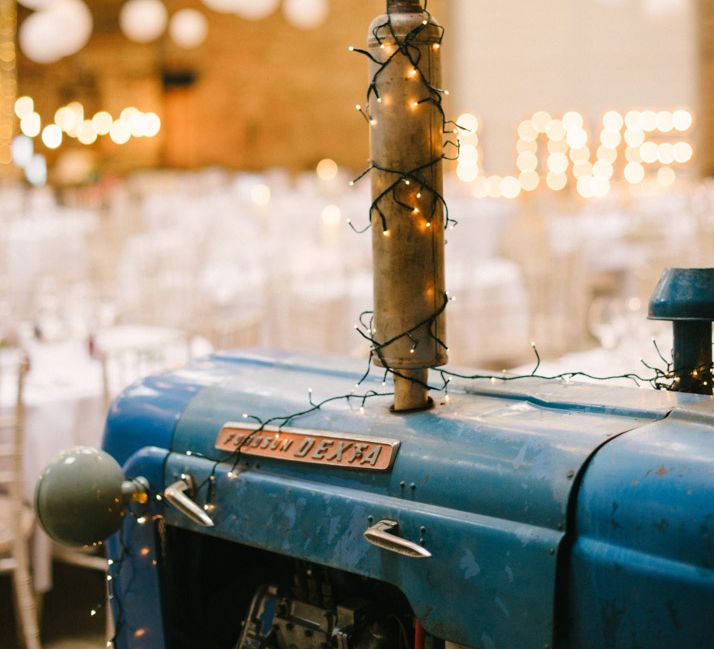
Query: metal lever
point(384, 535)
point(176, 495)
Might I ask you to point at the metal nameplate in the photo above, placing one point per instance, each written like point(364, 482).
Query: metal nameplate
point(313, 446)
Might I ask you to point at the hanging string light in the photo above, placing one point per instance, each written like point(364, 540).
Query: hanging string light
point(59, 28)
point(143, 21)
point(357, 398)
point(188, 28)
point(8, 81)
point(71, 120)
point(305, 14)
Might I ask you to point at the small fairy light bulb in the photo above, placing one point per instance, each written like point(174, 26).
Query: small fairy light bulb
point(428, 224)
point(415, 105)
point(379, 100)
point(446, 92)
point(415, 210)
point(93, 612)
point(245, 415)
point(209, 507)
point(381, 45)
point(533, 345)
point(110, 562)
point(425, 22)
point(406, 181)
point(351, 48)
point(159, 498)
point(418, 195)
point(493, 379)
point(436, 46)
point(351, 184)
point(109, 577)
point(446, 398)
point(385, 233)
point(361, 410)
point(412, 72)
point(412, 350)
point(189, 453)
point(373, 122)
point(141, 520)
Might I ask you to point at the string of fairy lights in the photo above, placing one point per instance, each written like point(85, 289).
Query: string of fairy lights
point(405, 50)
point(70, 122)
point(396, 48)
point(8, 78)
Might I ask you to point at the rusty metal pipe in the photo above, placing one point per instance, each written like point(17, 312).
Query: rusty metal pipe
point(408, 248)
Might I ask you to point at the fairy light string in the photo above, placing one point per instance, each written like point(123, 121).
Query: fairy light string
point(405, 48)
point(661, 379)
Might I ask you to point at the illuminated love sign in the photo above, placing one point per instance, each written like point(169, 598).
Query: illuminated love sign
point(569, 156)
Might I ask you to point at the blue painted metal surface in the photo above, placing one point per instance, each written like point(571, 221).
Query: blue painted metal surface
point(136, 561)
point(684, 294)
point(146, 413)
point(488, 479)
point(642, 572)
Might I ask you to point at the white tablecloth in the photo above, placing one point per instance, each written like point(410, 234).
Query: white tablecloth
point(64, 405)
point(63, 408)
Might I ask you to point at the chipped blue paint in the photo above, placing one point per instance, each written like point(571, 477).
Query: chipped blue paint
point(487, 641)
point(509, 574)
point(468, 565)
point(642, 568)
point(493, 472)
point(502, 606)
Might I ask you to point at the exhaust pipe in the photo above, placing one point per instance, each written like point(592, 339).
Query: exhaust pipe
point(407, 216)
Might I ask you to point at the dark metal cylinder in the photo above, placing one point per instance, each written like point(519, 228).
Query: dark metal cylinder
point(692, 354)
point(686, 297)
point(406, 137)
point(396, 6)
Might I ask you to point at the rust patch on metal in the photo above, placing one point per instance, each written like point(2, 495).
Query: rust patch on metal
point(311, 446)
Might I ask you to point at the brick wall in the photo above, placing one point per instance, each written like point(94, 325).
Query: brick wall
point(706, 87)
point(265, 93)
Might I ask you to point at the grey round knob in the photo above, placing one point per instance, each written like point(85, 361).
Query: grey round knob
point(79, 498)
